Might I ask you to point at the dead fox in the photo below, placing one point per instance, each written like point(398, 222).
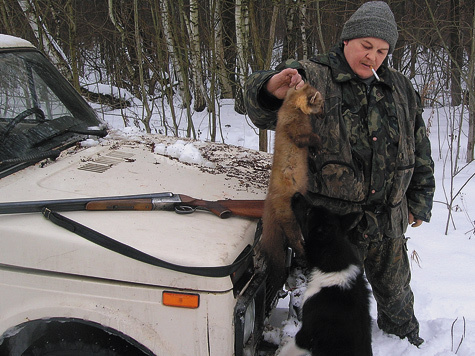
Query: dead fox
point(293, 136)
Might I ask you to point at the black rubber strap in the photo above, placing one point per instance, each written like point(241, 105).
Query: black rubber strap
point(126, 250)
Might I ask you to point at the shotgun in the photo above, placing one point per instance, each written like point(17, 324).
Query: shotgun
point(180, 203)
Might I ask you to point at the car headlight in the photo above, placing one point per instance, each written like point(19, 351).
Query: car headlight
point(249, 316)
point(249, 321)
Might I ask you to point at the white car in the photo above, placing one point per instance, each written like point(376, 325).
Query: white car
point(117, 281)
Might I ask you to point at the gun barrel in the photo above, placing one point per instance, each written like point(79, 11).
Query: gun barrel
point(69, 204)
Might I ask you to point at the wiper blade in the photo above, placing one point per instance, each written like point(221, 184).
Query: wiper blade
point(100, 132)
point(88, 131)
point(53, 154)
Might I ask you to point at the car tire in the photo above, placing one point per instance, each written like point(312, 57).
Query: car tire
point(81, 344)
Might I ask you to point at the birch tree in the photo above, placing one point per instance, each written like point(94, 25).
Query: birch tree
point(167, 33)
point(122, 31)
point(178, 59)
point(302, 14)
point(213, 55)
point(143, 91)
point(163, 67)
point(242, 39)
point(46, 42)
point(192, 25)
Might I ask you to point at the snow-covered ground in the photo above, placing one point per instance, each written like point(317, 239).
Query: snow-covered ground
point(442, 265)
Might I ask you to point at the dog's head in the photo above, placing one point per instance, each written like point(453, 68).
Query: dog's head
point(319, 224)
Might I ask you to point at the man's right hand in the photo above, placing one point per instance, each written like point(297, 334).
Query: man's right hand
point(280, 83)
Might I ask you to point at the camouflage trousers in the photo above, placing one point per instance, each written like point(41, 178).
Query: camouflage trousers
point(387, 269)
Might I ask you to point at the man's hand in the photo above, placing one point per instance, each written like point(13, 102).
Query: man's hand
point(414, 222)
point(281, 82)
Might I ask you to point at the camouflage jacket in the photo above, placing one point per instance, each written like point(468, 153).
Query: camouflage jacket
point(376, 155)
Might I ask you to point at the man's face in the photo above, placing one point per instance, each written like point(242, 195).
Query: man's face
point(364, 53)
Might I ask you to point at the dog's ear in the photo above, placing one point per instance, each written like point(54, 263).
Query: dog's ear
point(350, 220)
point(300, 207)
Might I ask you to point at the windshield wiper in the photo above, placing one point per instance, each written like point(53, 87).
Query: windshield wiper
point(53, 154)
point(88, 131)
point(91, 131)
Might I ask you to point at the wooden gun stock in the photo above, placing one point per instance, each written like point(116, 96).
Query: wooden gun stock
point(245, 208)
point(125, 204)
point(221, 208)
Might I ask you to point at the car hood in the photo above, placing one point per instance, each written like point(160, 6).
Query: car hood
point(133, 166)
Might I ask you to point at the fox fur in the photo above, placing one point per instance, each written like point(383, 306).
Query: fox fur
point(293, 136)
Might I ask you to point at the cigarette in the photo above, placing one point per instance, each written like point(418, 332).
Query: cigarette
point(374, 72)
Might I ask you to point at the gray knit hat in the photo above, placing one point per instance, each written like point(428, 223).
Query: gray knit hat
point(372, 19)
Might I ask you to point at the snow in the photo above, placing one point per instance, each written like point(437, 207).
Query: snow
point(185, 152)
point(7, 41)
point(442, 265)
point(90, 142)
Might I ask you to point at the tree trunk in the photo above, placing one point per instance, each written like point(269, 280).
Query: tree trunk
point(73, 48)
point(289, 42)
point(45, 41)
point(242, 36)
point(302, 16)
point(273, 25)
point(122, 33)
point(213, 68)
point(200, 95)
point(223, 76)
point(174, 62)
point(456, 54)
point(320, 28)
point(6, 18)
point(143, 91)
point(471, 98)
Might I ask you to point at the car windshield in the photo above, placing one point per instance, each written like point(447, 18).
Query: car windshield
point(40, 112)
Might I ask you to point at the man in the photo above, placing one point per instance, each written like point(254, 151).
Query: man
point(376, 156)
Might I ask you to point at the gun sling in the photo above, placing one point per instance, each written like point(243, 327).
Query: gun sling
point(126, 250)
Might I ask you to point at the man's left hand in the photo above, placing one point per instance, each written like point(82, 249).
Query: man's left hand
point(414, 222)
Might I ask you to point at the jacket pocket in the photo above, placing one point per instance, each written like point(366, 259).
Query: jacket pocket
point(341, 180)
point(402, 179)
point(398, 220)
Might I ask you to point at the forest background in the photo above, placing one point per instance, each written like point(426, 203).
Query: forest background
point(195, 53)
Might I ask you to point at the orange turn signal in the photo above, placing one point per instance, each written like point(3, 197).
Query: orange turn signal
point(181, 300)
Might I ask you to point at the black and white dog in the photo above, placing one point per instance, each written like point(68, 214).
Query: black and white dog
point(335, 315)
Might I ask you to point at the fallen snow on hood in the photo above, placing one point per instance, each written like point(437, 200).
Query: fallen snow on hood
point(90, 142)
point(250, 167)
point(185, 152)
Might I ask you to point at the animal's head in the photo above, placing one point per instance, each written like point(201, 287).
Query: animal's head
point(308, 99)
point(319, 224)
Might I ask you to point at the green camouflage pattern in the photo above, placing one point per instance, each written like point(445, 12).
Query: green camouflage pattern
point(376, 159)
point(369, 140)
point(387, 270)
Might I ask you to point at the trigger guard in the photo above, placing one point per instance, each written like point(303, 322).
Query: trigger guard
point(184, 209)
